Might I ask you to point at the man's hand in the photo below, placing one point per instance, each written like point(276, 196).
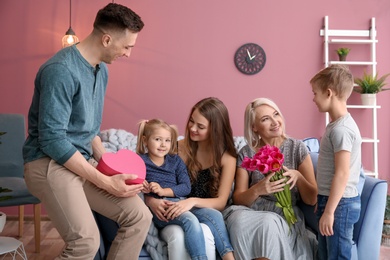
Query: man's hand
point(117, 186)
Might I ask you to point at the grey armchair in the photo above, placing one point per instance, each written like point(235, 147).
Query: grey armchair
point(12, 170)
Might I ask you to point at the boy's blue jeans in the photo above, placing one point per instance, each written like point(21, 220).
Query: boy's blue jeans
point(214, 220)
point(193, 233)
point(339, 245)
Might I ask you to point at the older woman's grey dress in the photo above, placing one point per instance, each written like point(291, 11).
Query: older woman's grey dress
point(261, 230)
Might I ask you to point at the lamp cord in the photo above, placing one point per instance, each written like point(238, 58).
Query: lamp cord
point(70, 13)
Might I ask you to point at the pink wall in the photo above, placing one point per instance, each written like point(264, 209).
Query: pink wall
point(185, 53)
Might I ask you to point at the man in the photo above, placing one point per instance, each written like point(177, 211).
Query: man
point(63, 147)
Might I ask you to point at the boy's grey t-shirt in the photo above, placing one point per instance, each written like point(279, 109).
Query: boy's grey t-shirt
point(342, 134)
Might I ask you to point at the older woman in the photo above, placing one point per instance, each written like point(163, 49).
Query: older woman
point(257, 227)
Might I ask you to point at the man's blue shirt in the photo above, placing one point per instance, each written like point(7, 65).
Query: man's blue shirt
point(67, 107)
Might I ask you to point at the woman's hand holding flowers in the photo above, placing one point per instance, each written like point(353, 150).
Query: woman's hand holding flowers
point(271, 186)
point(292, 176)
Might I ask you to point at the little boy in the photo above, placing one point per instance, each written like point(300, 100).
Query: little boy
point(339, 164)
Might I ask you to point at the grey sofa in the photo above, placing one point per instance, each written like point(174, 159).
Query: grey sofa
point(367, 231)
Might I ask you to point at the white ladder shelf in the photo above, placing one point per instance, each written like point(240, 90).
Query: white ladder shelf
point(367, 37)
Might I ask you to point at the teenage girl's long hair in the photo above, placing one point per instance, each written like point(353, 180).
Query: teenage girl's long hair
point(220, 141)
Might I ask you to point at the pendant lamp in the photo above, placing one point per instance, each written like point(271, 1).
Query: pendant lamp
point(70, 37)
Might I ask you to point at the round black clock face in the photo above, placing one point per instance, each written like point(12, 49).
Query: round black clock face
point(250, 58)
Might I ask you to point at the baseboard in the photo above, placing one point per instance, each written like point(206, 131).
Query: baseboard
point(27, 218)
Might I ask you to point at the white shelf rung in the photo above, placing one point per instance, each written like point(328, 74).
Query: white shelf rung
point(369, 140)
point(349, 33)
point(370, 173)
point(362, 106)
point(352, 41)
point(353, 62)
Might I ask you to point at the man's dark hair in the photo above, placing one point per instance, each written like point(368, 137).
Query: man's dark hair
point(118, 17)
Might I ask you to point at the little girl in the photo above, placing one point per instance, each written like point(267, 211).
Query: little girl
point(167, 178)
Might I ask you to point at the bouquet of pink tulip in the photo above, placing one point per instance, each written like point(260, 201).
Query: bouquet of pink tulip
point(267, 160)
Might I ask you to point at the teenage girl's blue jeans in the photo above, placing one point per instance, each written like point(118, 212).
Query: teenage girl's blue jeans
point(339, 245)
point(193, 233)
point(214, 220)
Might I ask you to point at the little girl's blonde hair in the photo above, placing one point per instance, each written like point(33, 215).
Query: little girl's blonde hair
point(145, 130)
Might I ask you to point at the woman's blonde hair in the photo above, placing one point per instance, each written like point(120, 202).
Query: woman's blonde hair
point(145, 130)
point(252, 138)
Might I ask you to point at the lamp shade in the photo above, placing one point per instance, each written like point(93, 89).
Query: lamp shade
point(70, 38)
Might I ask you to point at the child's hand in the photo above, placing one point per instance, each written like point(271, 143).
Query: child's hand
point(158, 206)
point(156, 188)
point(146, 187)
point(178, 208)
point(326, 224)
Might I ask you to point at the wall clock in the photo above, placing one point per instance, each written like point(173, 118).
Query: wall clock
point(250, 58)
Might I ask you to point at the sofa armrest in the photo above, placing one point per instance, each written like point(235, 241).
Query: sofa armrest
point(308, 210)
point(368, 229)
point(310, 216)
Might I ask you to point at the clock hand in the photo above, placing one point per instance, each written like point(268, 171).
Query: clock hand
point(249, 54)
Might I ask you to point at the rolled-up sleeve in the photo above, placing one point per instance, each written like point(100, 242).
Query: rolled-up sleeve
point(55, 110)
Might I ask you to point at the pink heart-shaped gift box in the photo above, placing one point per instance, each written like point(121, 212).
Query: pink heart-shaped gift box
point(123, 162)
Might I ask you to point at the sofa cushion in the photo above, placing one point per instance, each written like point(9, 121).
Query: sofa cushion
point(312, 143)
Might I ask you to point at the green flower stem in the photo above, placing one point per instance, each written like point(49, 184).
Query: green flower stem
point(284, 200)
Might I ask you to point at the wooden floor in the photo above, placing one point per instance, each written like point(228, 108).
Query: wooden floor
point(52, 244)
point(385, 253)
